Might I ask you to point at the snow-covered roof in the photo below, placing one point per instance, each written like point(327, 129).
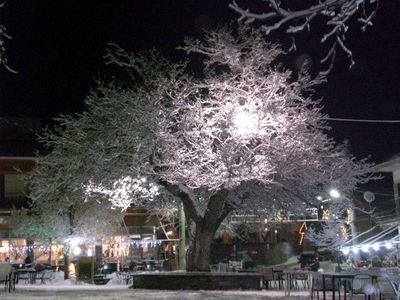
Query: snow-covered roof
point(388, 166)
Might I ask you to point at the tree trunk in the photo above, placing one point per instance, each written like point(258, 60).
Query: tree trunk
point(199, 251)
point(66, 265)
point(203, 235)
point(205, 224)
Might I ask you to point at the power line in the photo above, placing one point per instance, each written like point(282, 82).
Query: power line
point(362, 120)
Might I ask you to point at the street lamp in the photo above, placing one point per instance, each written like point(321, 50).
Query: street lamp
point(334, 193)
point(245, 122)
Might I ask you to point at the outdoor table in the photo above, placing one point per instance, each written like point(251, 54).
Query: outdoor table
point(289, 275)
point(342, 276)
point(334, 277)
point(31, 274)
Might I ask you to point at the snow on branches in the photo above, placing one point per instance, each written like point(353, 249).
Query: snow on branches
point(335, 13)
point(244, 134)
point(245, 123)
point(4, 36)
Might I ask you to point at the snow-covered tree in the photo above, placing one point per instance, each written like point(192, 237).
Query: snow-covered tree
point(331, 235)
point(62, 222)
point(298, 16)
point(243, 134)
point(67, 219)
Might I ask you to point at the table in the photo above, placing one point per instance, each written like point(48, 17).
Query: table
point(30, 272)
point(334, 277)
point(291, 274)
point(346, 277)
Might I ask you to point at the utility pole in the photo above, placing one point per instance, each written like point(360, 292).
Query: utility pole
point(182, 238)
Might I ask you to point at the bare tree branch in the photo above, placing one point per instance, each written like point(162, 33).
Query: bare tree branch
point(335, 13)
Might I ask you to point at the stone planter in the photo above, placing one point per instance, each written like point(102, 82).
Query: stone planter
point(197, 281)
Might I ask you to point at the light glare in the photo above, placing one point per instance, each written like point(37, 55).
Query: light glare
point(375, 246)
point(388, 245)
point(345, 251)
point(365, 248)
point(245, 123)
point(334, 193)
point(77, 251)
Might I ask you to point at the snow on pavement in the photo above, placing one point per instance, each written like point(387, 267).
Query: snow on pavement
point(123, 292)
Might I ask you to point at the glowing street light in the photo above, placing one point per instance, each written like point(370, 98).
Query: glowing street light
point(334, 193)
point(245, 123)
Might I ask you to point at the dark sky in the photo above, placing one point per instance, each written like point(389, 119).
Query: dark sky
point(57, 49)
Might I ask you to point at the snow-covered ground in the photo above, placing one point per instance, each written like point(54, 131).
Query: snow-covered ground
point(60, 289)
point(78, 292)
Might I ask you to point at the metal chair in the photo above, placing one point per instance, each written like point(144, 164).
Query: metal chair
point(268, 277)
point(303, 278)
point(318, 286)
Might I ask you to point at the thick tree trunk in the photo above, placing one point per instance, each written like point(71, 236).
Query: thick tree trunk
point(205, 223)
point(203, 235)
point(199, 252)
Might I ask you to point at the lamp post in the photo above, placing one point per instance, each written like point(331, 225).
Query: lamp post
point(334, 193)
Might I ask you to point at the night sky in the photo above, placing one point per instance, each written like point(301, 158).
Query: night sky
point(57, 47)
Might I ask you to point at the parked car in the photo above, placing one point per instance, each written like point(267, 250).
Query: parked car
point(309, 260)
point(107, 268)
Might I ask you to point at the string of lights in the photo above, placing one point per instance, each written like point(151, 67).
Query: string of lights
point(373, 243)
point(362, 120)
point(44, 247)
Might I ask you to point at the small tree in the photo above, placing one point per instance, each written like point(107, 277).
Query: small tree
point(243, 135)
point(336, 16)
point(332, 235)
point(66, 220)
